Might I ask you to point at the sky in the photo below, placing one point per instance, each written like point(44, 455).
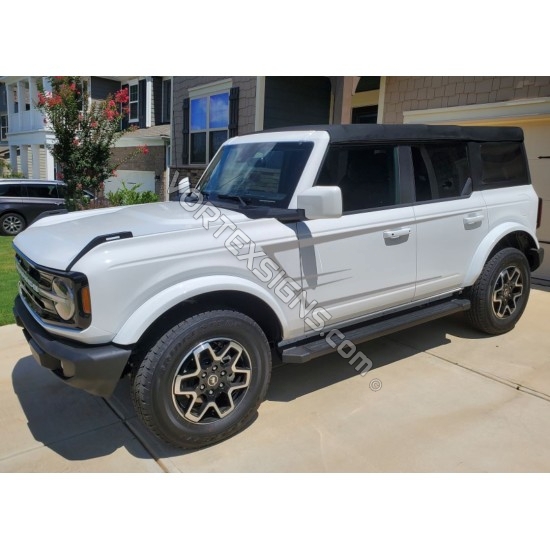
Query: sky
point(288, 37)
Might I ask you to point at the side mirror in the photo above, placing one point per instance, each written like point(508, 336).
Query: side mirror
point(321, 202)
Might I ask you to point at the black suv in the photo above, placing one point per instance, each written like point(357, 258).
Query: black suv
point(22, 201)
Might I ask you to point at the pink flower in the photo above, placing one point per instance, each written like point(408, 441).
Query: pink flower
point(94, 124)
point(122, 96)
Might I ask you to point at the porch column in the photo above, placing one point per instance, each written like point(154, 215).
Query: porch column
point(13, 159)
point(21, 105)
point(342, 99)
point(50, 165)
point(35, 148)
point(24, 158)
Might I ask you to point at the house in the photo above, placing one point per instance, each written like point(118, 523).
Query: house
point(208, 110)
point(149, 110)
point(4, 150)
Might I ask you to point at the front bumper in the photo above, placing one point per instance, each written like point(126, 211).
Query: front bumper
point(96, 369)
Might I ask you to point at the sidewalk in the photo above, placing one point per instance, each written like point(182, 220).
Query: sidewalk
point(451, 400)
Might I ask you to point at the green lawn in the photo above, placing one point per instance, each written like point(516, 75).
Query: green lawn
point(8, 281)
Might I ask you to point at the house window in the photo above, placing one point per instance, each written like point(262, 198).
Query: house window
point(209, 121)
point(134, 101)
point(166, 99)
point(3, 128)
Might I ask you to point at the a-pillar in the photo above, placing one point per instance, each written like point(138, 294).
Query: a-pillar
point(35, 148)
point(24, 158)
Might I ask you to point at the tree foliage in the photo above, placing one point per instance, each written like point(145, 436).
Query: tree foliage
point(85, 132)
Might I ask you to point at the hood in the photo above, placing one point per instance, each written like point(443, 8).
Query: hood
point(54, 241)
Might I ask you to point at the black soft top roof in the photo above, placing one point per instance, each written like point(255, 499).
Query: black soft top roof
point(346, 133)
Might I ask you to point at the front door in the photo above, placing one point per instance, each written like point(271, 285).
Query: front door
point(364, 261)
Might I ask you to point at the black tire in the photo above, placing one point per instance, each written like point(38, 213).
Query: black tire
point(12, 224)
point(501, 292)
point(204, 380)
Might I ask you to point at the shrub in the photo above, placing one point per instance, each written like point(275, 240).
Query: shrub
point(125, 196)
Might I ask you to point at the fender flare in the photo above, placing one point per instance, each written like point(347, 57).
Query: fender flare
point(136, 325)
point(487, 245)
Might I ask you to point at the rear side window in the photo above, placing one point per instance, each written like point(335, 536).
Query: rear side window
point(12, 190)
point(441, 171)
point(42, 191)
point(503, 164)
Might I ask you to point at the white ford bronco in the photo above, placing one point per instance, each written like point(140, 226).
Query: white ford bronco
point(293, 243)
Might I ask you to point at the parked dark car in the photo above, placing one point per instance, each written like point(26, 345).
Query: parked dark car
point(22, 201)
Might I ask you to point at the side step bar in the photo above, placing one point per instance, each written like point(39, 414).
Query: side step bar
point(302, 353)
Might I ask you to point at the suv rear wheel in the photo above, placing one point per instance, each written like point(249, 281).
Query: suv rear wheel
point(11, 224)
point(203, 381)
point(500, 294)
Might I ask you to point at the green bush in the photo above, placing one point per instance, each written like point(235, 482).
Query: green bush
point(125, 196)
point(5, 171)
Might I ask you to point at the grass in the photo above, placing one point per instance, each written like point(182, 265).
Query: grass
point(8, 281)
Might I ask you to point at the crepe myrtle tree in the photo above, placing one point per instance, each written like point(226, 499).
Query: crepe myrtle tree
point(85, 132)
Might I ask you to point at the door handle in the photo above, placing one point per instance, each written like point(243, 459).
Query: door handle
point(396, 233)
point(471, 219)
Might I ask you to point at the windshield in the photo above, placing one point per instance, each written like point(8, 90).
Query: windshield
point(257, 174)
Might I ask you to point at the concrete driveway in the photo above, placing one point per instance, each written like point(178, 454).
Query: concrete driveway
point(440, 398)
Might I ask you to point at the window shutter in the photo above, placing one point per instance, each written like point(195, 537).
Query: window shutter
point(185, 152)
point(233, 111)
point(124, 122)
point(157, 99)
point(142, 105)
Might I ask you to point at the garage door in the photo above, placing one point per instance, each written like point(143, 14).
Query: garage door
point(537, 144)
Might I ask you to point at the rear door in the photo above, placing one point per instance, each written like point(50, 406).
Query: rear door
point(41, 198)
point(451, 218)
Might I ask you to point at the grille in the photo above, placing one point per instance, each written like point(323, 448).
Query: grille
point(35, 287)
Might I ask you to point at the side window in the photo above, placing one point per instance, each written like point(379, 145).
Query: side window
point(11, 190)
point(503, 164)
point(441, 171)
point(42, 191)
point(366, 176)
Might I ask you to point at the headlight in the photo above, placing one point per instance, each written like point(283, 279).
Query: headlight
point(65, 304)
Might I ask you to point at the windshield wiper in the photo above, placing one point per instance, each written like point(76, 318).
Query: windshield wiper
point(239, 198)
point(192, 197)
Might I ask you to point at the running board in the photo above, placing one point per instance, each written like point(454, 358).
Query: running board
point(306, 352)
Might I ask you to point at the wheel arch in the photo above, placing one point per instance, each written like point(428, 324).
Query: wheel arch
point(245, 303)
point(513, 236)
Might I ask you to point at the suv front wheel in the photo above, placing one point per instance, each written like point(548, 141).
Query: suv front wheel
point(203, 381)
point(500, 294)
